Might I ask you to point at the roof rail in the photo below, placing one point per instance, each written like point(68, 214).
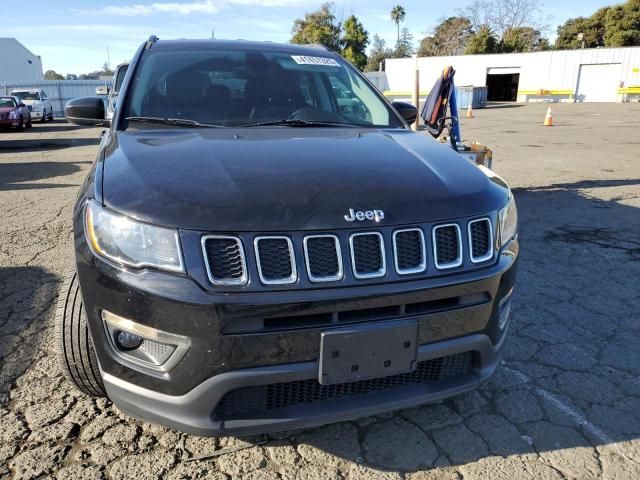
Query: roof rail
point(152, 39)
point(318, 45)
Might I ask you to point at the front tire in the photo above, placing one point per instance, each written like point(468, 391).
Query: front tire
point(44, 117)
point(74, 349)
point(20, 126)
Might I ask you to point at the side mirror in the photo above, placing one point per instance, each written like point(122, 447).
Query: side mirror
point(406, 111)
point(103, 90)
point(86, 111)
point(21, 105)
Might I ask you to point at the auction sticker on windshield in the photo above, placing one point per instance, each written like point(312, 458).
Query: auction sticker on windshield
point(306, 60)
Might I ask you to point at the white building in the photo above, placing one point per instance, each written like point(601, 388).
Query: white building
point(589, 75)
point(17, 63)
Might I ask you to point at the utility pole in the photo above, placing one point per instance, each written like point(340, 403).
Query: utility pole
point(108, 58)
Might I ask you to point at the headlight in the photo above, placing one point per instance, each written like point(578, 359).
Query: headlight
point(13, 114)
point(508, 219)
point(130, 242)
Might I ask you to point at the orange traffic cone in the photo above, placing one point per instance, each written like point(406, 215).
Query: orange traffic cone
point(469, 111)
point(548, 119)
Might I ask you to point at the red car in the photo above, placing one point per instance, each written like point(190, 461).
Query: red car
point(14, 113)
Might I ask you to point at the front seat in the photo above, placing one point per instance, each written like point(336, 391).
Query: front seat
point(185, 96)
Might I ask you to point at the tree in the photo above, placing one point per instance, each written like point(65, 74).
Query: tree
point(503, 15)
point(71, 76)
point(379, 52)
point(52, 75)
point(404, 48)
point(320, 27)
point(354, 42)
point(592, 30)
point(622, 25)
point(483, 41)
point(106, 70)
point(450, 37)
point(398, 15)
point(523, 39)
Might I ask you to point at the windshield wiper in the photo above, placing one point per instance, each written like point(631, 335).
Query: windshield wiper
point(300, 123)
point(180, 122)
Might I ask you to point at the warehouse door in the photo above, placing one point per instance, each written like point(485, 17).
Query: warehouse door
point(598, 83)
point(502, 84)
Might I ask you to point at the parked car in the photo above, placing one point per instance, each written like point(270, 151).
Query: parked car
point(14, 113)
point(257, 258)
point(112, 94)
point(37, 102)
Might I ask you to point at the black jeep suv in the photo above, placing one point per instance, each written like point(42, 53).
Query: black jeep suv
point(262, 243)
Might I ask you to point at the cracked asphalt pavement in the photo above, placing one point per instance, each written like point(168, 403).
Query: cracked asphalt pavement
point(565, 402)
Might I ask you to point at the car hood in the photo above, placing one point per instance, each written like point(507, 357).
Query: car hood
point(30, 102)
point(7, 109)
point(278, 179)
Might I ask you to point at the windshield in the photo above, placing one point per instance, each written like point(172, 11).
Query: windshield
point(7, 102)
point(238, 87)
point(26, 95)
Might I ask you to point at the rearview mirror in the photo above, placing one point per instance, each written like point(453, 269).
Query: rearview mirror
point(103, 90)
point(86, 111)
point(406, 111)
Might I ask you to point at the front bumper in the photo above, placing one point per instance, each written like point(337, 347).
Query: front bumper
point(194, 411)
point(229, 350)
point(36, 115)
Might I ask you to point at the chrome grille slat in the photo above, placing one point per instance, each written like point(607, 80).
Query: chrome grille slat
point(224, 260)
point(275, 260)
point(447, 246)
point(323, 258)
point(367, 255)
point(480, 235)
point(409, 251)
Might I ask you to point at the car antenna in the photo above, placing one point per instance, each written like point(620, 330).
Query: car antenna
point(152, 39)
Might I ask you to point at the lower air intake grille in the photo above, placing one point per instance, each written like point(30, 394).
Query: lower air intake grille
point(446, 240)
point(367, 253)
point(225, 260)
point(275, 260)
point(409, 251)
point(480, 238)
point(254, 400)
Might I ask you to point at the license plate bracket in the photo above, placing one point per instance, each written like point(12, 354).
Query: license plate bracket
point(368, 351)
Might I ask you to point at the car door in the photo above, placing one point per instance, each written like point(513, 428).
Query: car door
point(46, 106)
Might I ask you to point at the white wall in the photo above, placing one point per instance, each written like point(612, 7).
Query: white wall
point(552, 70)
point(17, 63)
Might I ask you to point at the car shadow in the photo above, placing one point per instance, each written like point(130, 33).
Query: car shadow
point(44, 144)
point(568, 379)
point(14, 175)
point(504, 105)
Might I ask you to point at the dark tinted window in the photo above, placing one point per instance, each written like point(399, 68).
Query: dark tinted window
point(7, 102)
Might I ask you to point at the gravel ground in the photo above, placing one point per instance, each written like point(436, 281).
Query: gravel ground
point(565, 402)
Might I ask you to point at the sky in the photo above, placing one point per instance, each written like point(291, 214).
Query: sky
point(78, 36)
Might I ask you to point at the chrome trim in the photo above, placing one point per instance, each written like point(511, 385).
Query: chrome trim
point(423, 264)
point(245, 276)
point(379, 273)
point(294, 271)
point(489, 253)
point(340, 273)
point(458, 261)
point(180, 342)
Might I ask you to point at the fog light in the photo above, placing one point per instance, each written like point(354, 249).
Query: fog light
point(504, 309)
point(128, 341)
point(143, 347)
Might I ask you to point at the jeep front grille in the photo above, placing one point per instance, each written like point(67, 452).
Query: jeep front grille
point(225, 260)
point(409, 251)
point(275, 259)
point(348, 256)
point(447, 246)
point(323, 258)
point(480, 240)
point(367, 255)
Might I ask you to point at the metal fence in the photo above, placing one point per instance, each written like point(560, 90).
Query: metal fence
point(59, 91)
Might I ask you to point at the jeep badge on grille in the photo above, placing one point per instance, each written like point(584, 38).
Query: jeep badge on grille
point(361, 216)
